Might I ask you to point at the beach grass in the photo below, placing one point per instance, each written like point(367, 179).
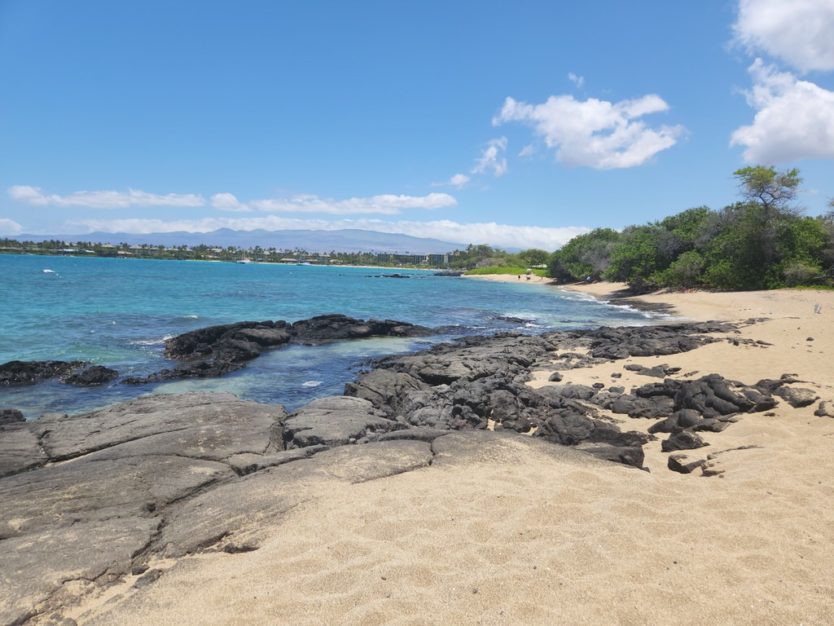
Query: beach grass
point(505, 269)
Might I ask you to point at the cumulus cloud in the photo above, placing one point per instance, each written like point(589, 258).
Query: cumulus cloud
point(384, 204)
point(577, 80)
point(9, 227)
point(104, 199)
point(492, 159)
point(595, 133)
point(228, 202)
point(798, 32)
point(445, 230)
point(794, 118)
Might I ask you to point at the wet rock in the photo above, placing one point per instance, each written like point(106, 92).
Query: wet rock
point(30, 372)
point(555, 377)
point(328, 328)
point(797, 397)
point(90, 376)
point(218, 350)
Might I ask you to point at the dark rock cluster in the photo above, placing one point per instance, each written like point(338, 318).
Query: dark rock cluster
point(218, 350)
point(215, 350)
point(479, 383)
point(71, 372)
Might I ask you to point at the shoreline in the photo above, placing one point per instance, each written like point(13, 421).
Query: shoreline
point(402, 516)
point(510, 278)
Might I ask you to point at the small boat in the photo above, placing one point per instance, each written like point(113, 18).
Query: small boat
point(245, 261)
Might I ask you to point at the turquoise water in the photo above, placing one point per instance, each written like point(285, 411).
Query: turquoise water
point(117, 312)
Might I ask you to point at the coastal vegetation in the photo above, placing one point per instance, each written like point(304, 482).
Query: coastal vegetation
point(760, 242)
point(518, 270)
point(763, 241)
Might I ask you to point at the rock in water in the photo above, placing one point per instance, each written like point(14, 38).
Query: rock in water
point(31, 372)
point(218, 350)
point(90, 376)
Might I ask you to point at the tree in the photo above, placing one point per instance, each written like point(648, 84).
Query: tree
point(771, 189)
point(639, 257)
point(583, 256)
point(533, 256)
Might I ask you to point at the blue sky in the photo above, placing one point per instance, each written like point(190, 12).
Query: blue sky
point(509, 123)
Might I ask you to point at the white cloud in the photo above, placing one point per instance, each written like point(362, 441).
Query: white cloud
point(445, 230)
point(228, 202)
point(794, 118)
point(527, 151)
point(491, 159)
point(384, 204)
point(459, 180)
point(9, 227)
point(104, 199)
point(595, 133)
point(577, 80)
point(799, 32)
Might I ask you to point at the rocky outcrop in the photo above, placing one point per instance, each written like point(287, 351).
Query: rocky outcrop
point(621, 343)
point(218, 350)
point(77, 373)
point(88, 499)
point(335, 421)
point(31, 372)
point(171, 475)
point(479, 383)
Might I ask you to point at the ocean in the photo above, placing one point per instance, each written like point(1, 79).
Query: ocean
point(118, 312)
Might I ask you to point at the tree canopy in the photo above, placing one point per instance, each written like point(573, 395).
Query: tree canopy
point(761, 242)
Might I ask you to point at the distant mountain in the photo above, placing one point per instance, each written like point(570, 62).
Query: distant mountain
point(345, 240)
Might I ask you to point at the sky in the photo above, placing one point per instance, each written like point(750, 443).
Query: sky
point(516, 124)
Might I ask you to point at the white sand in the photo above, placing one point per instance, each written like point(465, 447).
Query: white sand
point(524, 537)
point(510, 278)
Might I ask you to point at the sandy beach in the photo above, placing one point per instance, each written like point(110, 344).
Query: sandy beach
point(521, 531)
point(510, 278)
